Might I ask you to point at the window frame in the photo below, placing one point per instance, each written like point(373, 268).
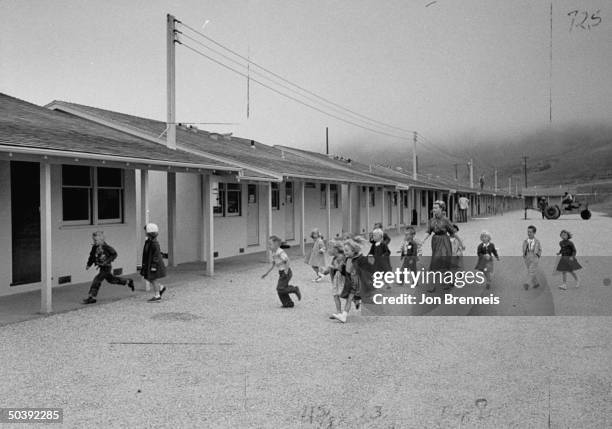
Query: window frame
point(93, 197)
point(236, 189)
point(96, 204)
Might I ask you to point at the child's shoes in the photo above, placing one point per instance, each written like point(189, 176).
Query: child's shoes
point(89, 300)
point(563, 286)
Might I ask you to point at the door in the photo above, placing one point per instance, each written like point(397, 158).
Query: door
point(25, 221)
point(252, 215)
point(289, 212)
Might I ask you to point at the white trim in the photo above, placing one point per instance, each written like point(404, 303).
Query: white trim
point(93, 156)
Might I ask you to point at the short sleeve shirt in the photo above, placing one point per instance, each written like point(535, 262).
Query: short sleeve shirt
point(281, 260)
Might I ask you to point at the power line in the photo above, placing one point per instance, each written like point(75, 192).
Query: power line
point(293, 98)
point(248, 60)
point(249, 71)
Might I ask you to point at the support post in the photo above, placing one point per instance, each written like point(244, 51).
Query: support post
point(302, 219)
point(269, 218)
point(349, 194)
point(172, 242)
point(171, 81)
point(46, 285)
point(400, 207)
point(208, 223)
point(144, 211)
point(328, 206)
point(368, 208)
point(414, 155)
point(382, 208)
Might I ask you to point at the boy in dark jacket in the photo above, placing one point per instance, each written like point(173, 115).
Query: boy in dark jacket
point(153, 267)
point(102, 256)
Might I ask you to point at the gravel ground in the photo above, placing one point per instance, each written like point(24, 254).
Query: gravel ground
point(222, 353)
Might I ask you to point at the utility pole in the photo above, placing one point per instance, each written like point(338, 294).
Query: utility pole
point(496, 180)
point(414, 156)
point(471, 164)
point(525, 169)
point(327, 140)
point(171, 81)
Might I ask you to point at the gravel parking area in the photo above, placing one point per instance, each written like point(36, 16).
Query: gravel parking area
point(222, 353)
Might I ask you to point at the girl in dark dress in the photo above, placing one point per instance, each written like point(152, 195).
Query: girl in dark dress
point(486, 251)
point(153, 267)
point(567, 262)
point(441, 249)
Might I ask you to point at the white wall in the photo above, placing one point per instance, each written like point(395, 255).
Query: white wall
point(70, 244)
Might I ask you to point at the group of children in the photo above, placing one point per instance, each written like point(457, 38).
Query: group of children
point(351, 271)
point(102, 256)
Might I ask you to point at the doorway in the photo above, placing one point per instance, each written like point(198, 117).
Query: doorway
point(25, 222)
point(289, 212)
point(252, 215)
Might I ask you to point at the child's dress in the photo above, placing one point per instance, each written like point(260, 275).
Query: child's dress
point(381, 254)
point(337, 273)
point(457, 252)
point(316, 258)
point(567, 262)
point(486, 264)
point(409, 255)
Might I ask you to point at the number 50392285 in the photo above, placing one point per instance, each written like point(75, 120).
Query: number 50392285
point(31, 415)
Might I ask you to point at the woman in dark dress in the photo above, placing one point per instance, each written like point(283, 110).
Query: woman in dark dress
point(441, 249)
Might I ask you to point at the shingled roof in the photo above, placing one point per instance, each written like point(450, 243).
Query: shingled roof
point(262, 160)
point(26, 127)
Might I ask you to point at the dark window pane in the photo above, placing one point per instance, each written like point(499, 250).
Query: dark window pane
point(233, 186)
point(233, 202)
point(75, 175)
point(109, 204)
point(75, 204)
point(109, 177)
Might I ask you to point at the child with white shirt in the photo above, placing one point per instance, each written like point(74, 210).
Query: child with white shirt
point(532, 250)
point(486, 251)
point(280, 261)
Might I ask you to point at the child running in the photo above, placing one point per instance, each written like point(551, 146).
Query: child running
point(280, 261)
point(532, 250)
point(352, 282)
point(337, 272)
point(409, 251)
point(457, 248)
point(316, 258)
point(380, 253)
point(102, 256)
point(568, 262)
point(153, 267)
point(486, 250)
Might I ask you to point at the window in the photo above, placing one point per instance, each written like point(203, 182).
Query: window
point(91, 195)
point(110, 194)
point(227, 198)
point(275, 196)
point(405, 198)
point(323, 196)
point(218, 198)
point(76, 194)
point(333, 196)
point(395, 199)
point(234, 199)
point(372, 196)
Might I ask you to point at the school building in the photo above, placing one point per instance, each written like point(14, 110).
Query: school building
point(68, 170)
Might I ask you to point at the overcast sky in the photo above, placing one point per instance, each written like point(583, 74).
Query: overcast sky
point(450, 69)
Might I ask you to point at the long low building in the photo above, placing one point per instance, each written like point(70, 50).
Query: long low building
point(213, 195)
